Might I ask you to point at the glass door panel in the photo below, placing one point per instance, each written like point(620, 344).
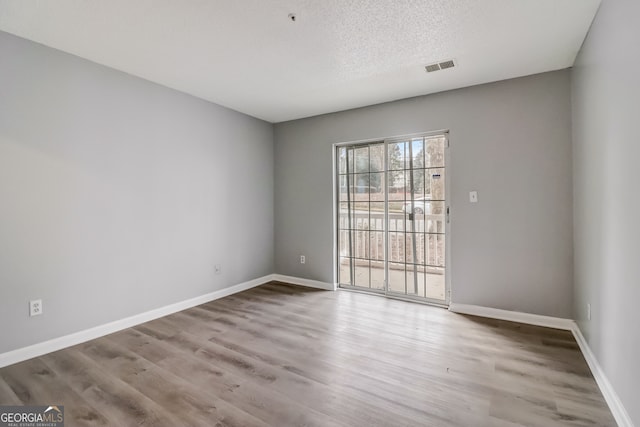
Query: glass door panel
point(392, 217)
point(361, 222)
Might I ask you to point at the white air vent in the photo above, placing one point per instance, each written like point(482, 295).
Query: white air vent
point(447, 64)
point(440, 66)
point(431, 68)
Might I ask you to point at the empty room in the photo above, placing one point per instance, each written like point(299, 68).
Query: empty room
point(319, 213)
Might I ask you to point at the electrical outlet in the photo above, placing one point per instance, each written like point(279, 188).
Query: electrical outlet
point(35, 307)
point(218, 269)
point(473, 196)
point(588, 311)
point(303, 259)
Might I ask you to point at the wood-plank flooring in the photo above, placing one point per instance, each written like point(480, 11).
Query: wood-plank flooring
point(280, 355)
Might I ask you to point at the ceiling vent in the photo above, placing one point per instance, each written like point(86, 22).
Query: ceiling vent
point(447, 64)
point(431, 68)
point(440, 66)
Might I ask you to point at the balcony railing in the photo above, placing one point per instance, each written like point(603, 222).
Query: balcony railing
point(367, 234)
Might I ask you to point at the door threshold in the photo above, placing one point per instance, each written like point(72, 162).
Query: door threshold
point(418, 300)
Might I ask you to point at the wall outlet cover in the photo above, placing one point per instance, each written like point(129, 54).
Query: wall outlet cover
point(35, 307)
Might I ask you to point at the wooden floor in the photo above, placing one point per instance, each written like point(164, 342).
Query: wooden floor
point(280, 355)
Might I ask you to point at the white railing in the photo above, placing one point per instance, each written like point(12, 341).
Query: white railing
point(367, 234)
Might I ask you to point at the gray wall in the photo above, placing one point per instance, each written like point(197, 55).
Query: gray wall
point(606, 150)
point(510, 141)
point(118, 196)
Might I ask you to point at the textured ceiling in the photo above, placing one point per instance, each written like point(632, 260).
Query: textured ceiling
point(339, 54)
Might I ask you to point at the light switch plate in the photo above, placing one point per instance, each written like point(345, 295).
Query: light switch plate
point(473, 196)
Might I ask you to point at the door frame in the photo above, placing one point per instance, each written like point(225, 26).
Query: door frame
point(336, 212)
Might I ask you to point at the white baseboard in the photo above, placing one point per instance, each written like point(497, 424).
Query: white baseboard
point(304, 282)
point(513, 316)
point(614, 402)
point(55, 344)
point(611, 397)
point(35, 350)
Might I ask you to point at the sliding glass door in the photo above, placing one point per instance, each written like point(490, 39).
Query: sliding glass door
point(392, 217)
